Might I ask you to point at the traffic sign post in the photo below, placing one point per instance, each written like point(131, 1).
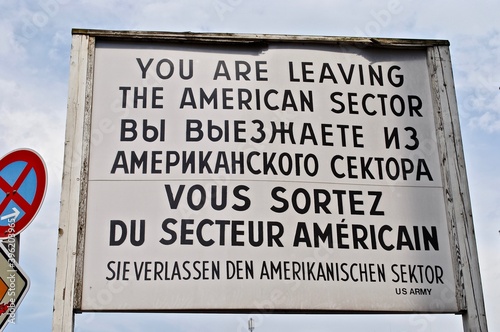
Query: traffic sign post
point(14, 285)
point(23, 179)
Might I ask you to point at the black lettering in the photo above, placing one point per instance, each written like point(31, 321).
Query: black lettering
point(113, 241)
point(245, 200)
point(274, 194)
point(166, 229)
point(174, 201)
point(144, 69)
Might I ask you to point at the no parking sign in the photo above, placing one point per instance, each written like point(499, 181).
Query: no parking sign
point(23, 180)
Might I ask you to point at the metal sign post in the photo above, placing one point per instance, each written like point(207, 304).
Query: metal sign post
point(14, 284)
point(23, 182)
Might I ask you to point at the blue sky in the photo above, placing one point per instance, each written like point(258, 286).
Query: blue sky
point(34, 67)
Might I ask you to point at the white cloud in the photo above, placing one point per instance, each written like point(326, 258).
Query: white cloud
point(10, 48)
point(33, 116)
point(475, 61)
point(452, 17)
point(489, 122)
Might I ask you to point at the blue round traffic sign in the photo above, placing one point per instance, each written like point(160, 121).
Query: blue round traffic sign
point(23, 181)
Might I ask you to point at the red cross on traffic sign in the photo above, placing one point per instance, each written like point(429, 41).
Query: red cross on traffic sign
point(23, 180)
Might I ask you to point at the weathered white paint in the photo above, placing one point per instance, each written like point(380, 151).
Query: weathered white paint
point(63, 318)
point(469, 288)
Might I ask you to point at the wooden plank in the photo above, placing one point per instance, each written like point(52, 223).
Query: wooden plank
point(233, 38)
point(441, 107)
point(82, 214)
point(63, 317)
point(459, 210)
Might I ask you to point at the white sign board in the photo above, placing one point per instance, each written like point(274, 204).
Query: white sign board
point(285, 177)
